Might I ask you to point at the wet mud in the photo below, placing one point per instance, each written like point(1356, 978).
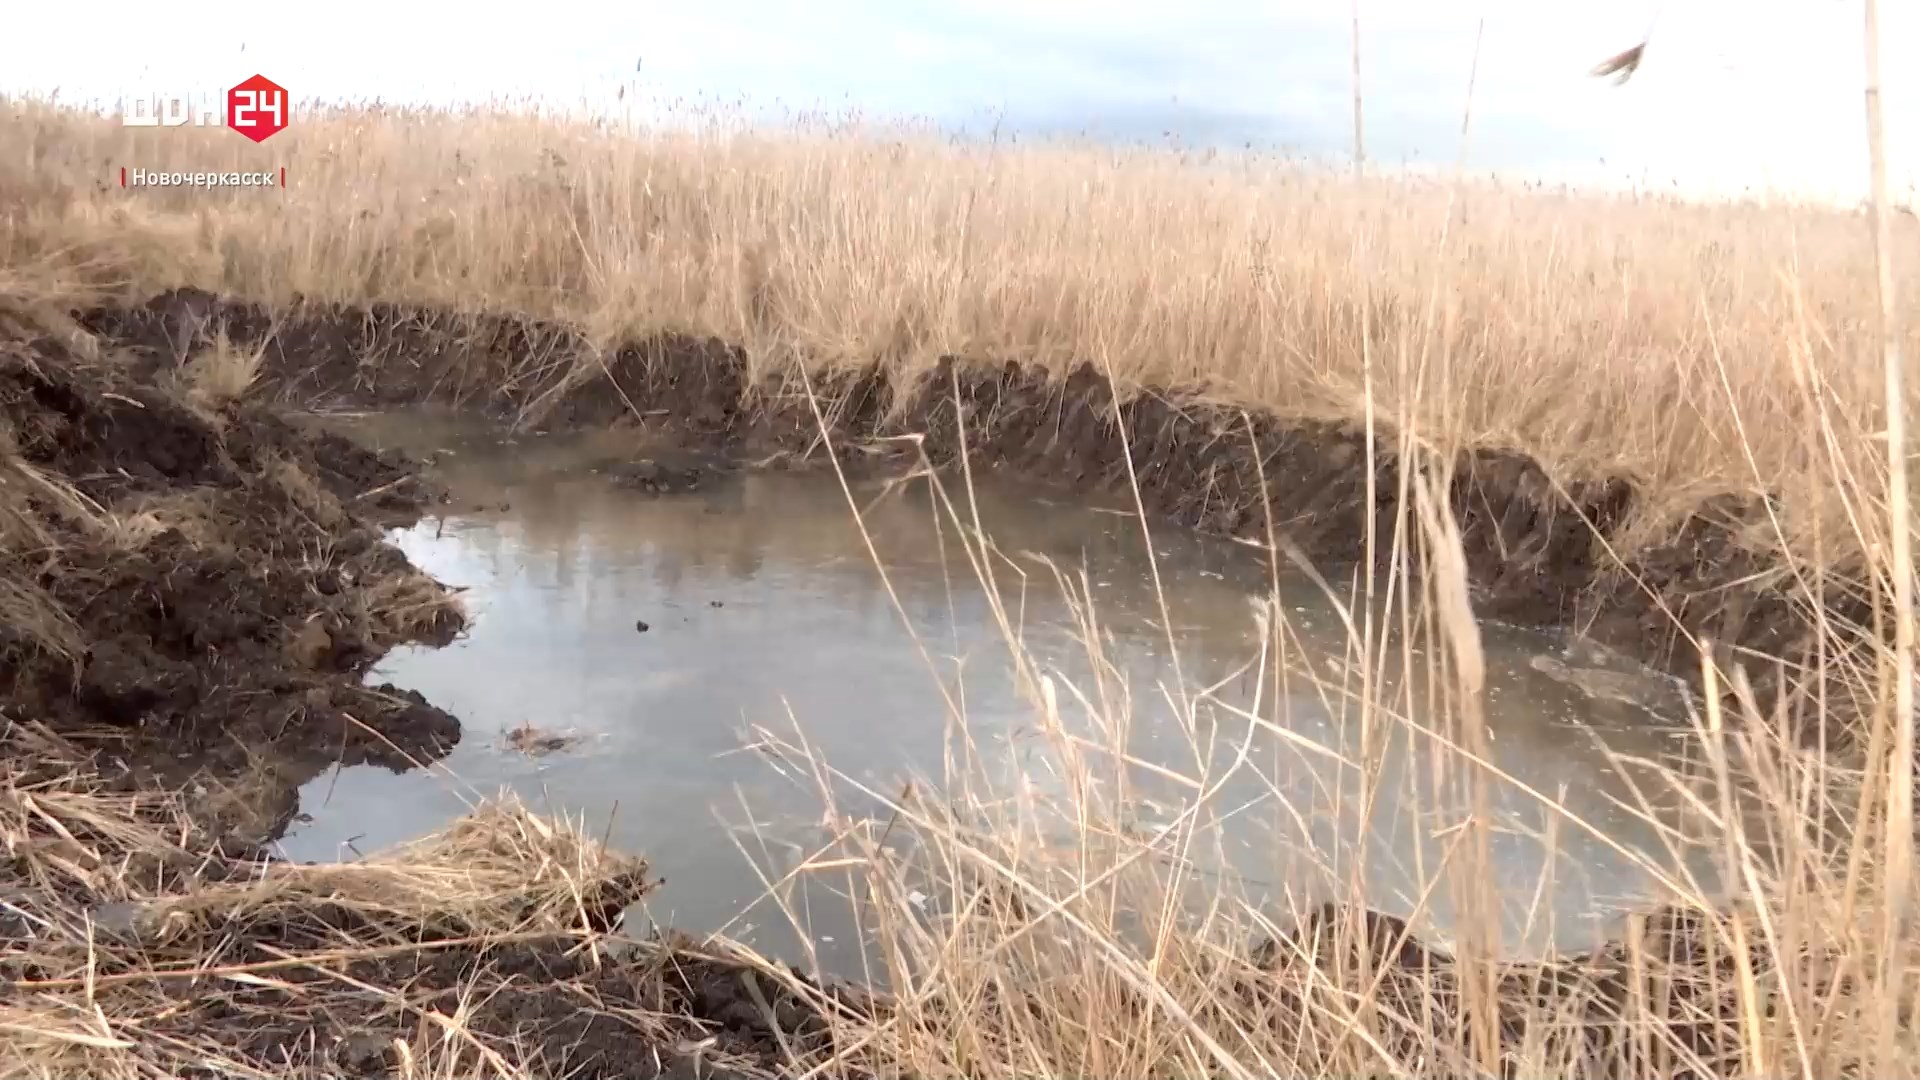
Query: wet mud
point(668, 476)
point(1538, 553)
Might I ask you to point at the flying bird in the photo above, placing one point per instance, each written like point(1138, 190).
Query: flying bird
point(1622, 66)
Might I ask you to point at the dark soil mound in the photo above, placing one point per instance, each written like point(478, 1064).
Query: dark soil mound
point(206, 581)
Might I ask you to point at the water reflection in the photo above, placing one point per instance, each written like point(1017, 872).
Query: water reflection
point(763, 608)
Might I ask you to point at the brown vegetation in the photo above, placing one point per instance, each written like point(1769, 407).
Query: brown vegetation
point(1693, 351)
point(1616, 365)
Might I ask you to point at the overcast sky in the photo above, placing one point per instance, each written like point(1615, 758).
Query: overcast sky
point(1734, 93)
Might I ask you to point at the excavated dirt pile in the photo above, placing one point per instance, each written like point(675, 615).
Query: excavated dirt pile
point(193, 583)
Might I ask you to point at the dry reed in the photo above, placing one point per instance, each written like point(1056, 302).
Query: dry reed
point(1681, 346)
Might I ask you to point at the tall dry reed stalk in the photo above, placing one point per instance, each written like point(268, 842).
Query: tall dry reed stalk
point(1898, 925)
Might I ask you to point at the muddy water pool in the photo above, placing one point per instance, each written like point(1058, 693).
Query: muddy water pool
point(763, 608)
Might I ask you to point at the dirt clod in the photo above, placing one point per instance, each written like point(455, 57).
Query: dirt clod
point(533, 741)
point(660, 478)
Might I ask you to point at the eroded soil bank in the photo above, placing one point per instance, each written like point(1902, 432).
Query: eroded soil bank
point(191, 595)
point(1537, 554)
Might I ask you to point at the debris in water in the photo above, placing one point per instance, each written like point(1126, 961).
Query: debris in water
point(1624, 687)
point(534, 741)
point(656, 478)
point(641, 625)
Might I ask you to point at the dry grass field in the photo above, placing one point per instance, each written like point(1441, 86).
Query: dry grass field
point(1697, 350)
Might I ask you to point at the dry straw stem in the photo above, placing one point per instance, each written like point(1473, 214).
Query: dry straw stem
point(1590, 329)
point(1898, 925)
point(501, 867)
point(27, 537)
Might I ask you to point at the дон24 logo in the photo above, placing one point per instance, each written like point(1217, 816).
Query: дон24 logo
point(256, 108)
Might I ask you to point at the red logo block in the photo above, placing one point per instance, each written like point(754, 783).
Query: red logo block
point(257, 108)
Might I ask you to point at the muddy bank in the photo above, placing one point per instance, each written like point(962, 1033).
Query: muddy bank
point(197, 584)
point(497, 946)
point(1532, 550)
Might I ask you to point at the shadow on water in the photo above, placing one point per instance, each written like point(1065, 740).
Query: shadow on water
point(761, 607)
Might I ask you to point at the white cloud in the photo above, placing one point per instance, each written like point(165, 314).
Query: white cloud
point(1733, 92)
